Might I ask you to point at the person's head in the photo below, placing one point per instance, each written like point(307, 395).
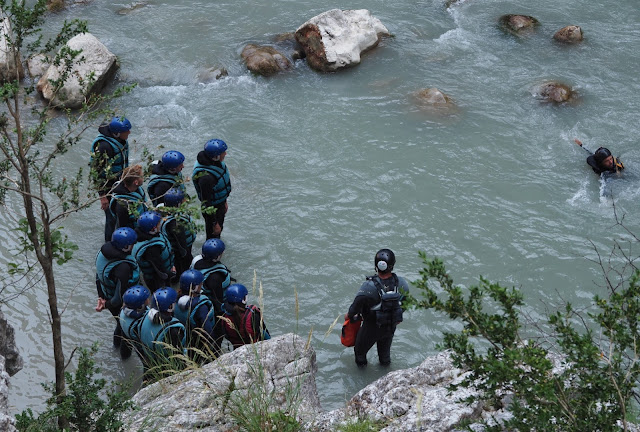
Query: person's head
point(164, 299)
point(120, 127)
point(133, 177)
point(191, 282)
point(173, 161)
point(384, 261)
point(124, 238)
point(212, 249)
point(173, 197)
point(236, 294)
point(149, 222)
point(604, 158)
point(136, 297)
point(215, 149)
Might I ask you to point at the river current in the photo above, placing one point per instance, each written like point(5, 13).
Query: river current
point(328, 168)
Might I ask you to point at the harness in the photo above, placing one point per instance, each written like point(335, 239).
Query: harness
point(121, 151)
point(166, 256)
point(130, 199)
point(221, 189)
point(185, 222)
point(103, 271)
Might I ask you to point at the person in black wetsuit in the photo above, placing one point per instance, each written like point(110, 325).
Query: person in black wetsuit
point(602, 161)
point(378, 304)
point(109, 157)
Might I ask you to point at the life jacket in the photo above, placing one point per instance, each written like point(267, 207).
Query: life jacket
point(175, 180)
point(166, 255)
point(222, 188)
point(130, 321)
point(216, 268)
point(153, 336)
point(134, 201)
point(185, 223)
point(244, 333)
point(389, 311)
point(103, 271)
point(186, 313)
point(121, 151)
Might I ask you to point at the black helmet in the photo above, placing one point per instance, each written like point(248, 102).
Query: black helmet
point(384, 261)
point(601, 154)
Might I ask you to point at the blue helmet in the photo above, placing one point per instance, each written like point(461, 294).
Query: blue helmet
point(212, 248)
point(123, 237)
point(236, 293)
point(172, 159)
point(119, 124)
point(215, 147)
point(189, 279)
point(148, 221)
point(173, 197)
point(164, 298)
point(135, 296)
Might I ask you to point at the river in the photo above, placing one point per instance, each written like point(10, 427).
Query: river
point(328, 168)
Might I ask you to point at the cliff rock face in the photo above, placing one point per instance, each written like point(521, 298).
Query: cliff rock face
point(10, 364)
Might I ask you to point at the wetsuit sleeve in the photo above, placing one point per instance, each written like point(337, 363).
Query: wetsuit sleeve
point(100, 161)
point(122, 216)
point(159, 190)
point(176, 335)
point(362, 303)
point(120, 275)
point(214, 287)
point(177, 238)
point(591, 160)
point(202, 321)
point(207, 183)
point(255, 330)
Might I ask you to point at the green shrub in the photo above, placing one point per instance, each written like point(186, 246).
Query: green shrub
point(83, 405)
point(599, 351)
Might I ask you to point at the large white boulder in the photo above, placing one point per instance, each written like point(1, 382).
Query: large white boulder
point(10, 69)
point(95, 58)
point(337, 38)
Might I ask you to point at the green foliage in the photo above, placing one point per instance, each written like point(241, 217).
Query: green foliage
point(83, 405)
point(598, 352)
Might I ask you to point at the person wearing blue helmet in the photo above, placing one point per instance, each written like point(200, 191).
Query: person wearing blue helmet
point(195, 311)
point(213, 185)
point(378, 304)
point(153, 251)
point(116, 271)
point(128, 198)
point(109, 157)
point(217, 277)
point(166, 174)
point(243, 323)
point(135, 306)
point(161, 334)
point(179, 228)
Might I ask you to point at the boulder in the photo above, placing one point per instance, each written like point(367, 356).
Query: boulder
point(556, 92)
point(212, 74)
point(10, 364)
point(569, 34)
point(433, 96)
point(414, 399)
point(10, 69)
point(518, 24)
point(199, 399)
point(264, 60)
point(37, 65)
point(95, 59)
point(336, 39)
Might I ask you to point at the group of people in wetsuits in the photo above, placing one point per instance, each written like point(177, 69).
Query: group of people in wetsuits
point(148, 250)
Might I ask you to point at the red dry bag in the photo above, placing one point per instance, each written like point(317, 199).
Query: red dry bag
point(349, 332)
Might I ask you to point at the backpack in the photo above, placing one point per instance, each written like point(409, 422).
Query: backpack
point(389, 310)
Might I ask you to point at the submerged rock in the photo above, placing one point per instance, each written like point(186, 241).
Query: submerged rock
point(132, 7)
point(569, 34)
point(556, 92)
point(264, 60)
point(212, 74)
point(98, 60)
point(336, 39)
point(518, 24)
